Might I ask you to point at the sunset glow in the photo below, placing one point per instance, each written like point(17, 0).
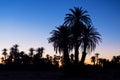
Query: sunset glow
point(28, 23)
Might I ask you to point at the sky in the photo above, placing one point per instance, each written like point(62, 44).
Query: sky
point(28, 23)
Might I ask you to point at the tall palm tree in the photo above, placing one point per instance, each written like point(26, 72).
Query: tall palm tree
point(90, 38)
point(77, 20)
point(61, 41)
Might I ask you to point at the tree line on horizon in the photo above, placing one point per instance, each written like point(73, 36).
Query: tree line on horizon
point(36, 57)
point(20, 57)
point(76, 33)
point(95, 60)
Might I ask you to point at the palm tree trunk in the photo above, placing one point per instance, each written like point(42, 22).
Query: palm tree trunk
point(66, 56)
point(83, 54)
point(76, 54)
point(83, 57)
point(5, 59)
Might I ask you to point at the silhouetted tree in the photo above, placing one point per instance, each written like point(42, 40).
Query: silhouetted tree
point(77, 20)
point(93, 59)
point(2, 59)
point(26, 59)
point(97, 54)
point(11, 56)
point(100, 61)
point(116, 59)
point(61, 41)
point(38, 56)
point(40, 51)
point(21, 57)
point(55, 61)
point(15, 54)
point(16, 48)
point(90, 38)
point(48, 57)
point(31, 52)
point(5, 54)
point(51, 59)
point(72, 58)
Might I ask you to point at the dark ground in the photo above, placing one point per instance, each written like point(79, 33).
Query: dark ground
point(86, 73)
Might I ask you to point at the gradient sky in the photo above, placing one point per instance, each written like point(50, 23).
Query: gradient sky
point(28, 23)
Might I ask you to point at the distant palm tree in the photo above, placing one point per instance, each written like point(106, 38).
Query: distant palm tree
point(40, 51)
point(97, 54)
point(2, 59)
point(116, 59)
point(90, 38)
point(61, 41)
point(5, 53)
point(48, 57)
point(77, 20)
point(16, 47)
point(16, 51)
point(93, 59)
point(16, 54)
point(21, 57)
point(72, 57)
point(31, 52)
point(11, 56)
point(100, 60)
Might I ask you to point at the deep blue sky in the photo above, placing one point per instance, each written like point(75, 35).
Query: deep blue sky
point(28, 23)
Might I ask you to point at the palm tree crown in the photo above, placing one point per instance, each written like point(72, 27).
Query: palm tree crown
point(60, 38)
point(78, 16)
point(77, 20)
point(31, 52)
point(40, 51)
point(90, 38)
point(61, 41)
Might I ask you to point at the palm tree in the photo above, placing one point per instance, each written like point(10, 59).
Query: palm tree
point(5, 53)
point(93, 59)
point(116, 59)
point(40, 51)
point(61, 41)
point(31, 52)
point(16, 54)
point(77, 20)
point(2, 59)
point(90, 38)
point(11, 56)
point(16, 48)
point(72, 57)
point(47, 57)
point(97, 54)
point(77, 16)
point(100, 60)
